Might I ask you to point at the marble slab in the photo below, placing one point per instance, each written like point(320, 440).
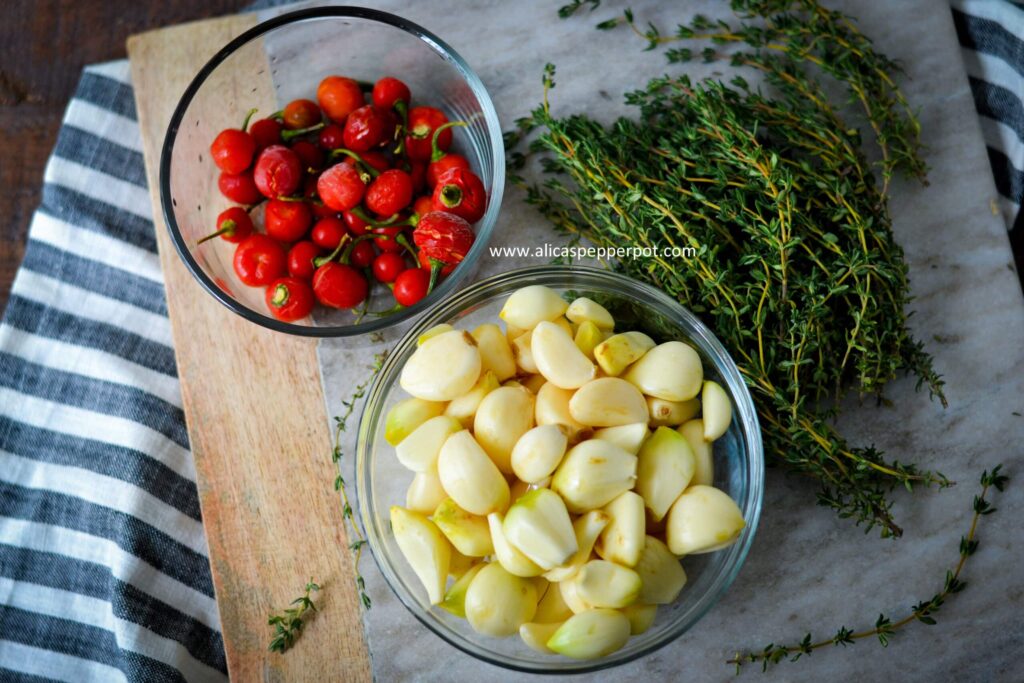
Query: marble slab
point(808, 570)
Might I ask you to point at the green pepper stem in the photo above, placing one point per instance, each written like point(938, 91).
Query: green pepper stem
point(226, 228)
point(248, 117)
point(365, 167)
point(391, 222)
point(321, 260)
point(400, 129)
point(288, 135)
point(436, 153)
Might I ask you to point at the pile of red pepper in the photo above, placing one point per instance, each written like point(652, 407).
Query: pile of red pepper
point(341, 186)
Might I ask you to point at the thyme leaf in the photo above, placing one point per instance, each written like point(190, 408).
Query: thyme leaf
point(288, 623)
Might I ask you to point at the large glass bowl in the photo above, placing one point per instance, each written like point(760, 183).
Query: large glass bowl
point(283, 59)
point(738, 455)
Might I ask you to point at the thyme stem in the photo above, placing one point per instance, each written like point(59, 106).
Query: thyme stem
point(885, 628)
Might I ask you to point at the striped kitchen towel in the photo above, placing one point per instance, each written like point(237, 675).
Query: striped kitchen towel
point(103, 562)
point(991, 34)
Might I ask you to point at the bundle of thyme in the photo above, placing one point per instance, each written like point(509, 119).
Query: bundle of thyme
point(796, 269)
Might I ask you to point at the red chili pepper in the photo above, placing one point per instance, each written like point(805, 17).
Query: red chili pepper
point(423, 121)
point(332, 137)
point(411, 286)
point(265, 132)
point(338, 285)
point(311, 156)
point(389, 193)
point(278, 171)
point(461, 192)
point(259, 260)
point(233, 225)
point(362, 254)
point(290, 299)
point(301, 114)
point(444, 239)
point(327, 232)
point(388, 266)
point(239, 188)
point(286, 221)
point(341, 187)
point(387, 91)
point(440, 160)
point(300, 259)
point(339, 96)
point(233, 148)
point(365, 128)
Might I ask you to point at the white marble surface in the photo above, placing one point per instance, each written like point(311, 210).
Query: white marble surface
point(807, 570)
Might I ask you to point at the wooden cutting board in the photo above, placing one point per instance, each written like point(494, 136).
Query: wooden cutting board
point(264, 473)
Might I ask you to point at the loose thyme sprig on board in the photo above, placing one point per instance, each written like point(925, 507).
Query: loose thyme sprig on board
point(796, 268)
point(340, 426)
point(288, 624)
point(884, 627)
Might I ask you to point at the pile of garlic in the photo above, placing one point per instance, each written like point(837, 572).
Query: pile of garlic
point(540, 487)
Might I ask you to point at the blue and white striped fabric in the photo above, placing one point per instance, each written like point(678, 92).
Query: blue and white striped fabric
point(991, 34)
point(103, 561)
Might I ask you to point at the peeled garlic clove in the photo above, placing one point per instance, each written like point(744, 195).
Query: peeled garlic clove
point(591, 634)
point(455, 599)
point(592, 474)
point(425, 549)
point(495, 352)
point(608, 402)
point(469, 533)
point(565, 326)
point(640, 617)
point(538, 525)
point(704, 470)
point(587, 337)
point(464, 407)
point(571, 597)
point(502, 417)
point(717, 410)
point(703, 520)
point(498, 603)
point(622, 540)
point(660, 572)
point(664, 469)
point(531, 305)
point(534, 383)
point(460, 564)
point(445, 367)
point(508, 556)
point(523, 353)
point(433, 332)
point(405, 416)
point(671, 413)
point(584, 310)
point(552, 407)
point(425, 492)
point(558, 358)
point(671, 371)
point(587, 528)
point(536, 635)
point(617, 352)
point(537, 452)
point(470, 477)
point(512, 333)
point(419, 450)
point(606, 584)
point(627, 437)
point(552, 607)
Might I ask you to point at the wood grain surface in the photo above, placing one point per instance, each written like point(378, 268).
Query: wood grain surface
point(272, 519)
point(43, 46)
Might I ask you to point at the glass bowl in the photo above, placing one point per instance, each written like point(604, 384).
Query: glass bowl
point(739, 460)
point(286, 58)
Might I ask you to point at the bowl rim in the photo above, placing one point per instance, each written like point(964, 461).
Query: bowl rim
point(745, 409)
point(485, 226)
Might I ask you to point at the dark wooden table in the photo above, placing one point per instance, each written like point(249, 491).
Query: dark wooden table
point(43, 46)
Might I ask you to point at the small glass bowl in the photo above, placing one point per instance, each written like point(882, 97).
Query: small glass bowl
point(283, 59)
point(738, 455)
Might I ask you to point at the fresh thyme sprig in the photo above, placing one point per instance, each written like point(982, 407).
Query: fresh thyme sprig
point(884, 627)
point(288, 624)
point(340, 426)
point(796, 268)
